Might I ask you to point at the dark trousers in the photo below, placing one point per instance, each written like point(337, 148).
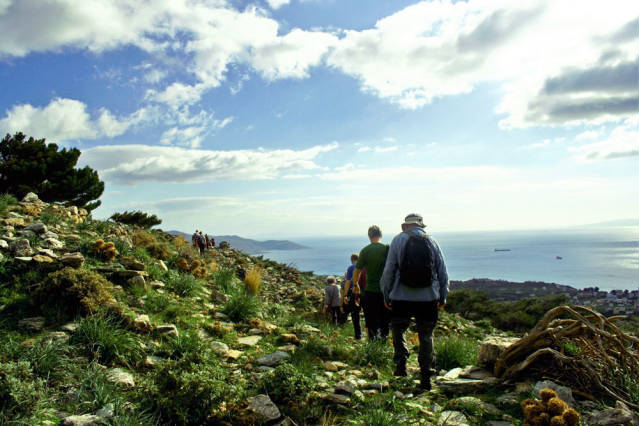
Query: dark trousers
point(376, 315)
point(353, 310)
point(425, 314)
point(332, 313)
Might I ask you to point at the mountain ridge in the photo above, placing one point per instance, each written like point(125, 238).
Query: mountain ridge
point(248, 245)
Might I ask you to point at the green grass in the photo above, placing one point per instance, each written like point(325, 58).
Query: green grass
point(286, 383)
point(103, 338)
point(50, 360)
point(183, 284)
point(223, 278)
point(6, 200)
point(454, 351)
point(377, 353)
point(241, 306)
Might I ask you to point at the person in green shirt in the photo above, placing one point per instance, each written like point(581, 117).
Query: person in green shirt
point(372, 258)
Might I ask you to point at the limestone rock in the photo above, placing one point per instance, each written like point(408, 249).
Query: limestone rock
point(163, 266)
point(106, 412)
point(289, 338)
point(129, 262)
point(563, 392)
point(33, 323)
point(74, 260)
point(83, 420)
point(150, 361)
point(14, 221)
point(4, 245)
point(121, 377)
point(452, 418)
point(334, 366)
point(249, 340)
point(620, 415)
point(461, 386)
point(42, 259)
point(53, 243)
point(337, 398)
point(21, 248)
point(157, 284)
point(142, 323)
point(273, 359)
point(264, 407)
point(70, 327)
point(473, 372)
point(57, 336)
point(492, 347)
point(47, 252)
point(233, 354)
point(346, 386)
point(25, 259)
point(167, 329)
point(31, 197)
point(38, 228)
point(219, 347)
point(137, 281)
point(458, 404)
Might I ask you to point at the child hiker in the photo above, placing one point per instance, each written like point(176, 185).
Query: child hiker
point(332, 300)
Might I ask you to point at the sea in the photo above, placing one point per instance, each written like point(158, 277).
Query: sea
point(607, 258)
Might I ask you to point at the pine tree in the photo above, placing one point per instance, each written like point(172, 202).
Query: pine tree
point(31, 165)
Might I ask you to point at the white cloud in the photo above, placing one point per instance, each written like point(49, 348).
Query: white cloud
point(364, 149)
point(134, 164)
point(188, 136)
point(590, 134)
point(276, 4)
point(385, 148)
point(66, 119)
point(623, 142)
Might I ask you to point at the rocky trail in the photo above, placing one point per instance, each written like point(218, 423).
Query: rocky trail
point(103, 323)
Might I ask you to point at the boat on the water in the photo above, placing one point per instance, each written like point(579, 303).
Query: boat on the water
point(558, 257)
point(502, 249)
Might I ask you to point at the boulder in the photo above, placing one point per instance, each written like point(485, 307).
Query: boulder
point(53, 243)
point(142, 323)
point(219, 347)
point(167, 330)
point(120, 377)
point(289, 338)
point(563, 392)
point(137, 281)
point(346, 386)
point(233, 354)
point(131, 263)
point(38, 228)
point(83, 420)
point(461, 386)
point(21, 248)
point(273, 359)
point(618, 416)
point(334, 366)
point(492, 347)
point(459, 404)
point(31, 197)
point(14, 221)
point(264, 408)
point(38, 258)
point(249, 340)
point(452, 418)
point(74, 260)
point(337, 398)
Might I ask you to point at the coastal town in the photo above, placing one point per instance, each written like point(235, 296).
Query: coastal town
point(614, 302)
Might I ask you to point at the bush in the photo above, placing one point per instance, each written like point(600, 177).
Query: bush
point(157, 249)
point(20, 390)
point(286, 384)
point(454, 351)
point(241, 306)
point(378, 353)
point(223, 278)
point(139, 218)
point(6, 200)
point(75, 291)
point(182, 284)
point(253, 280)
point(103, 337)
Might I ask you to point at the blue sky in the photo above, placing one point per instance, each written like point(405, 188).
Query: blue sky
point(284, 118)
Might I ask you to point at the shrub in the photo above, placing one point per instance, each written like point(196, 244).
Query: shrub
point(187, 345)
point(139, 218)
point(454, 351)
point(6, 200)
point(75, 291)
point(20, 390)
point(253, 280)
point(223, 278)
point(155, 248)
point(380, 417)
point(104, 250)
point(182, 284)
point(286, 384)
point(241, 306)
point(378, 353)
point(103, 337)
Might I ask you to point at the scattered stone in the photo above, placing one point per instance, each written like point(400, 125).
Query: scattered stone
point(347, 387)
point(83, 420)
point(167, 330)
point(473, 372)
point(163, 266)
point(25, 259)
point(256, 332)
point(421, 408)
point(137, 281)
point(142, 323)
point(21, 248)
point(157, 284)
point(249, 340)
point(306, 328)
point(106, 412)
point(53, 243)
point(458, 404)
point(337, 398)
point(233, 354)
point(4, 245)
point(218, 297)
point(150, 361)
point(273, 359)
point(287, 348)
point(49, 234)
point(33, 323)
point(129, 262)
point(334, 366)
point(290, 338)
point(58, 336)
point(499, 423)
point(492, 347)
point(620, 415)
point(74, 260)
point(508, 399)
point(14, 221)
point(47, 252)
point(264, 407)
point(121, 377)
point(38, 258)
point(38, 228)
point(464, 386)
point(219, 347)
point(452, 418)
point(128, 274)
point(563, 392)
point(70, 327)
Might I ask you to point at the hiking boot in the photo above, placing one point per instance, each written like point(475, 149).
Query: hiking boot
point(424, 383)
point(400, 370)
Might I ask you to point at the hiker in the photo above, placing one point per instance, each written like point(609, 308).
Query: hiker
point(201, 243)
point(415, 285)
point(351, 296)
point(212, 242)
point(207, 240)
point(372, 257)
point(194, 238)
point(331, 299)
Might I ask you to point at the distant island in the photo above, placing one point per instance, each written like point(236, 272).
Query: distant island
point(247, 245)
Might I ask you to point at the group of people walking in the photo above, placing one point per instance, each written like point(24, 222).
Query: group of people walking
point(202, 241)
point(394, 284)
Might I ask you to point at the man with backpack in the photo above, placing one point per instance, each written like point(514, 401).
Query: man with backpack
point(415, 285)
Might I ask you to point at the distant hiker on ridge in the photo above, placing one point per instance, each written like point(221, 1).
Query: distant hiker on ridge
point(415, 285)
point(351, 296)
point(194, 238)
point(201, 242)
point(332, 299)
point(372, 257)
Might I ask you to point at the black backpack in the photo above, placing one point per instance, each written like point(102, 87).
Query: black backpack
point(417, 263)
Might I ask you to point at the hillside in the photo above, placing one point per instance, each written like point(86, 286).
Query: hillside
point(247, 245)
point(102, 323)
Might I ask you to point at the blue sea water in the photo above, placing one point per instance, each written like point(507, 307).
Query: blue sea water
point(605, 257)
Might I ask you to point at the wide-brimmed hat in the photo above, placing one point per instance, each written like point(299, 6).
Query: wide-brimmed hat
point(331, 279)
point(414, 219)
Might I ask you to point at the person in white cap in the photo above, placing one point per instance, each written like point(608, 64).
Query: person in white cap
point(415, 285)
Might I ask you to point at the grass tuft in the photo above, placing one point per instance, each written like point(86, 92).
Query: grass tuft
point(454, 351)
point(253, 280)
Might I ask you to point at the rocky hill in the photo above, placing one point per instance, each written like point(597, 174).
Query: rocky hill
point(102, 323)
point(248, 245)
